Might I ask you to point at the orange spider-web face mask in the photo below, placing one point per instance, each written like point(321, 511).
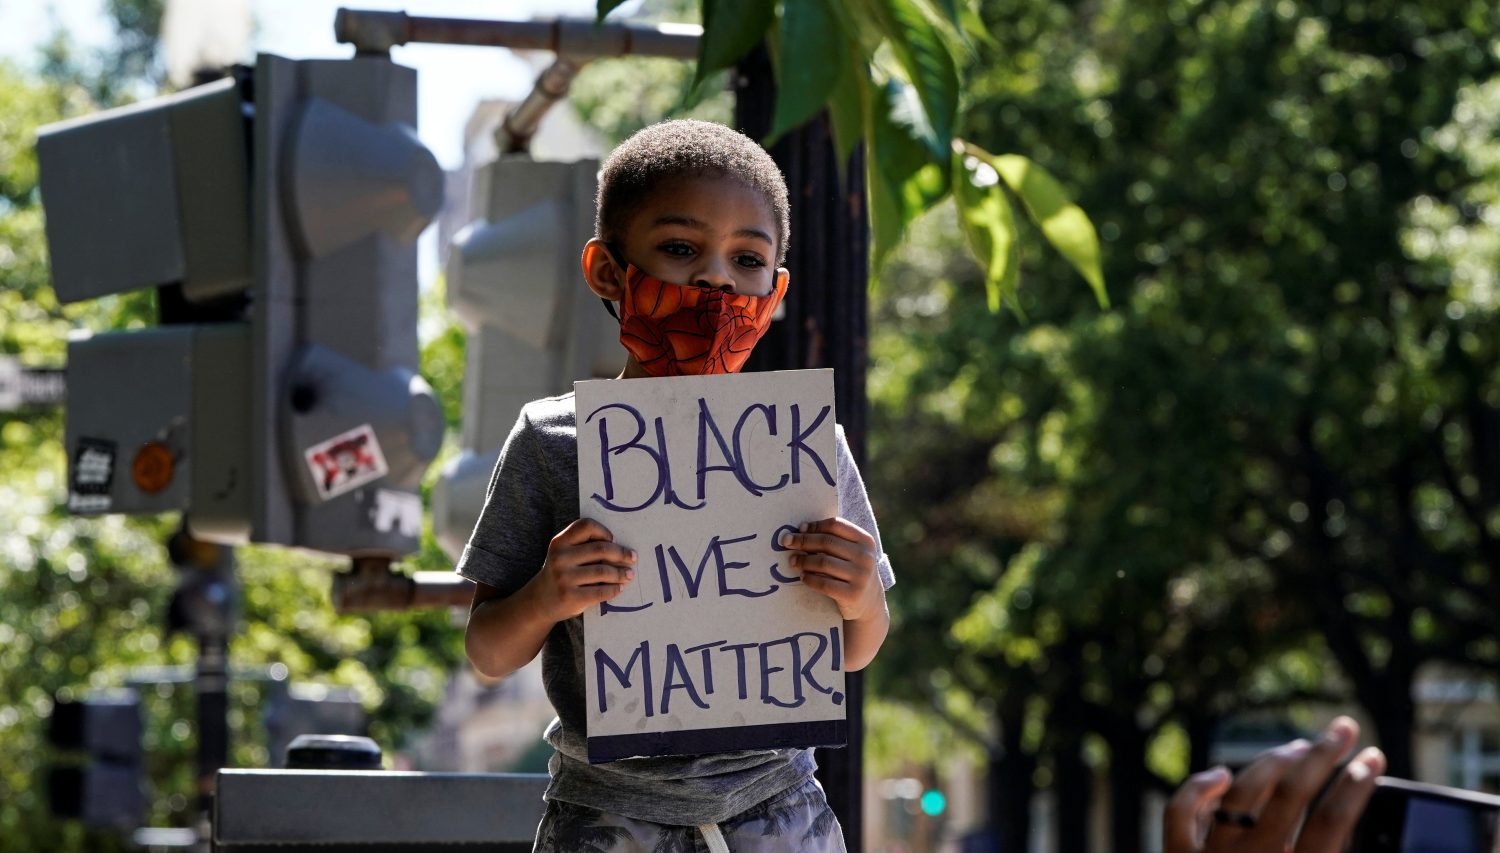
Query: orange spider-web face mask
point(682, 330)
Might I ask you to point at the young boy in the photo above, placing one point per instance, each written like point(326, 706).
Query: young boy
point(691, 231)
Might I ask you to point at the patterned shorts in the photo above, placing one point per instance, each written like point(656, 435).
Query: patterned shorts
point(797, 820)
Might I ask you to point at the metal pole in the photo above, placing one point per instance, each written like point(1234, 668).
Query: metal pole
point(212, 688)
point(574, 41)
point(371, 584)
point(514, 135)
point(378, 32)
point(204, 606)
point(825, 326)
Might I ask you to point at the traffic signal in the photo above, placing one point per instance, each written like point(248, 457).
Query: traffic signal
point(99, 777)
point(515, 281)
point(934, 802)
point(276, 214)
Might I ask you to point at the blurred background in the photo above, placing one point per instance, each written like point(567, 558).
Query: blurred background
point(1260, 489)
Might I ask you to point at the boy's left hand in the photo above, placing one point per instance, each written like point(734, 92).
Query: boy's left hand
point(837, 558)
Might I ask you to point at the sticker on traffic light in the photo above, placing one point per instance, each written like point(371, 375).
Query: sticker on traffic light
point(93, 471)
point(346, 461)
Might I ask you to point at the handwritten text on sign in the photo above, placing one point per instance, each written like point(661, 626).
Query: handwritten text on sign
point(716, 645)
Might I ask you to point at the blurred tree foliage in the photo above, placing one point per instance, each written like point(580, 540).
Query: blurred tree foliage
point(1269, 472)
point(82, 601)
point(621, 95)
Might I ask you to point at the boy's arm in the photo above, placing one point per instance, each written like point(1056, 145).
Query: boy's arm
point(583, 567)
point(837, 558)
point(504, 632)
point(864, 637)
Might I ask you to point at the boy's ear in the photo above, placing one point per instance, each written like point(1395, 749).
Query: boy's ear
point(604, 276)
point(783, 278)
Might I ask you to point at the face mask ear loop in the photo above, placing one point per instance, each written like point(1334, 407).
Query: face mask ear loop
point(617, 257)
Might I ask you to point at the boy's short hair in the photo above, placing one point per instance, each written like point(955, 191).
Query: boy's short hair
point(685, 148)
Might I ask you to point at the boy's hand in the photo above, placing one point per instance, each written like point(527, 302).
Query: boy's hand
point(837, 558)
point(584, 566)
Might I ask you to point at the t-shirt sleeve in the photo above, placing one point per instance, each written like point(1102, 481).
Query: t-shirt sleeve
point(854, 505)
point(510, 539)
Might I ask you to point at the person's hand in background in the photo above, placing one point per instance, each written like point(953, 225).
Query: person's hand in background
point(1262, 809)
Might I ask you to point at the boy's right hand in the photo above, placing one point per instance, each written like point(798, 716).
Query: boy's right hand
point(584, 566)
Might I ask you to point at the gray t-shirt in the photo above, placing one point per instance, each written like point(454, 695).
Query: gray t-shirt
point(533, 494)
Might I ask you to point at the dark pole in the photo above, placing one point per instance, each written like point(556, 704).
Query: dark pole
point(212, 688)
point(825, 326)
point(204, 606)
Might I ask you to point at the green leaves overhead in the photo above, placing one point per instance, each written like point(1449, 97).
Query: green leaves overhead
point(925, 60)
point(846, 110)
point(607, 6)
point(980, 180)
point(902, 181)
point(989, 227)
point(807, 71)
point(730, 29)
point(887, 74)
point(1063, 223)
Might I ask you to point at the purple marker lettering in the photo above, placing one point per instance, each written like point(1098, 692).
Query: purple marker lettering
point(602, 660)
point(724, 567)
point(739, 661)
point(743, 461)
point(708, 665)
point(798, 447)
point(678, 679)
point(606, 450)
point(706, 426)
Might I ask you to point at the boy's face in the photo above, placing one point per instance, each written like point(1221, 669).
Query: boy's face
point(688, 241)
point(709, 232)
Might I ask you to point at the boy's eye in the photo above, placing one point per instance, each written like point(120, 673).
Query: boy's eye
point(750, 262)
point(680, 250)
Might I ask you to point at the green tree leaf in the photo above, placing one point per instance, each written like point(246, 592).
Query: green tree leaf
point(902, 182)
point(858, 24)
point(846, 108)
point(1063, 223)
point(951, 9)
point(923, 55)
point(971, 26)
point(989, 226)
point(730, 29)
point(605, 7)
point(807, 72)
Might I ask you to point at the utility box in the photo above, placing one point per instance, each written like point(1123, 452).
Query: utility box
point(376, 811)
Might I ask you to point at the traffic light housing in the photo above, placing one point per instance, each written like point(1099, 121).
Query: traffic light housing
point(276, 213)
point(99, 777)
point(515, 282)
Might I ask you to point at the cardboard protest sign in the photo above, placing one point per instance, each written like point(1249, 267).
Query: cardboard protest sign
point(716, 645)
